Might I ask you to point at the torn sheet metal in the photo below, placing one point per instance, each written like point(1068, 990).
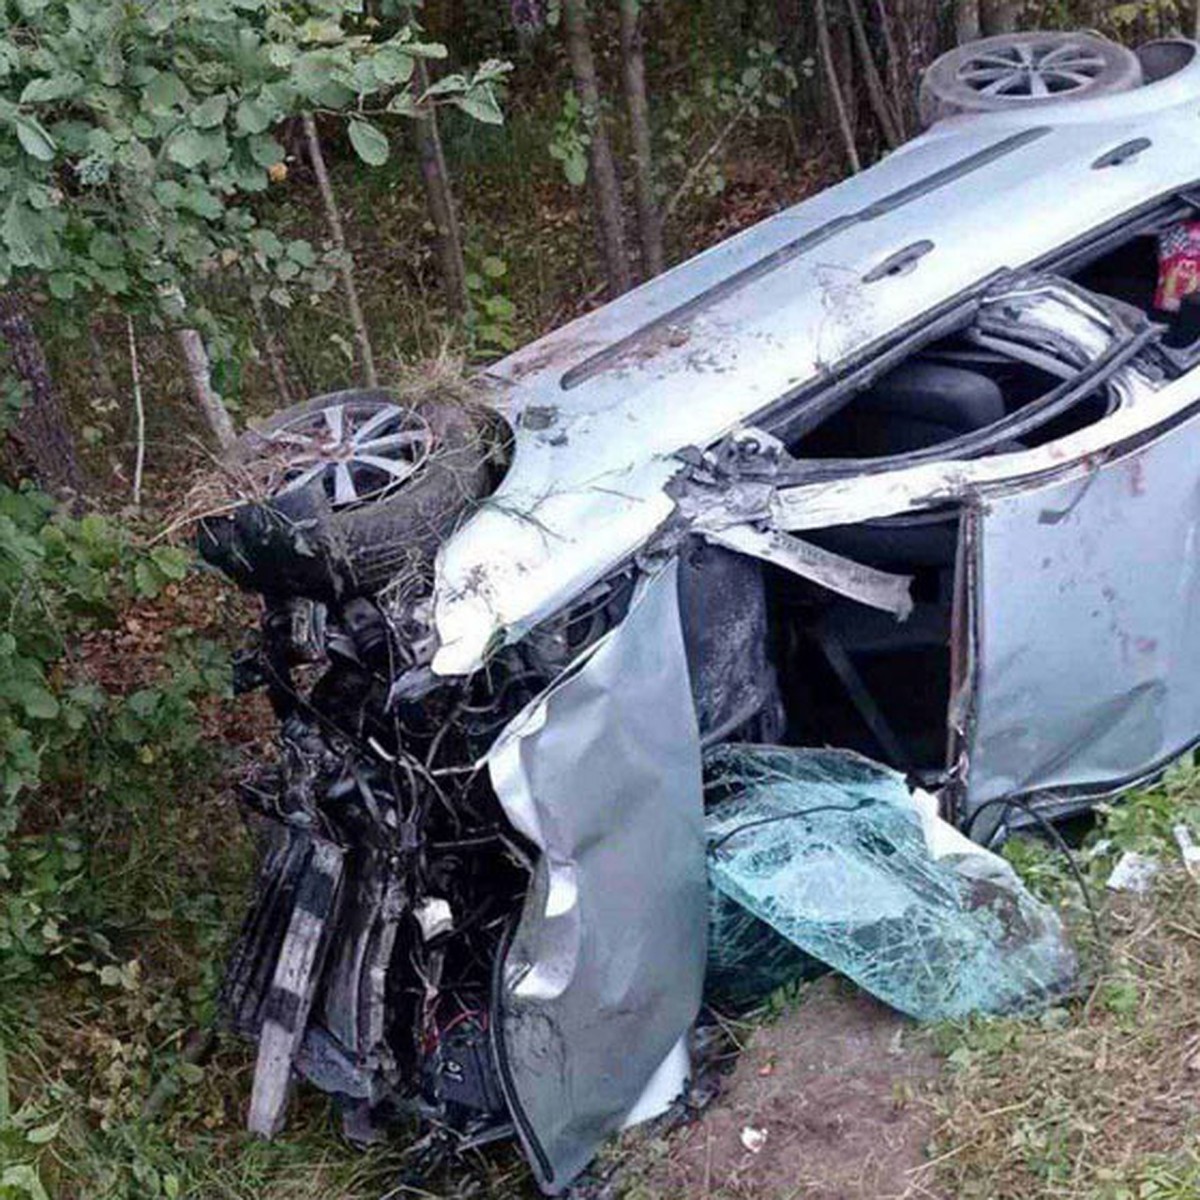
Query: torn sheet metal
point(727, 499)
point(604, 974)
point(1088, 625)
point(838, 856)
point(1066, 327)
point(877, 589)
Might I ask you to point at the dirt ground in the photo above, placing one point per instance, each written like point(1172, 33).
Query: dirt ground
point(837, 1087)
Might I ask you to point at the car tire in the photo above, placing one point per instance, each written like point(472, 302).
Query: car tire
point(366, 543)
point(1025, 70)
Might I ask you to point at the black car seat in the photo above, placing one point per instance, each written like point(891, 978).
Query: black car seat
point(920, 404)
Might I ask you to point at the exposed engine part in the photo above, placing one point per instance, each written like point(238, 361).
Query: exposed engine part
point(459, 1073)
point(389, 874)
point(351, 989)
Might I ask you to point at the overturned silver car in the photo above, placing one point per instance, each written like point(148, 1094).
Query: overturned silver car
point(911, 469)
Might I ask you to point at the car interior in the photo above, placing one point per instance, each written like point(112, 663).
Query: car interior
point(855, 677)
point(946, 390)
point(1130, 273)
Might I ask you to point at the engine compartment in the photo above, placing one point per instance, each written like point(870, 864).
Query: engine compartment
point(379, 826)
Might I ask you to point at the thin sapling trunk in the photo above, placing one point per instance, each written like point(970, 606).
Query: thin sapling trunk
point(337, 234)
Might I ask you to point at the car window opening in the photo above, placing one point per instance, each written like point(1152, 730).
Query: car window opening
point(777, 659)
point(1158, 273)
point(950, 389)
point(854, 677)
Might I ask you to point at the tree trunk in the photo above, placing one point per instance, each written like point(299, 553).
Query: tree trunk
point(199, 374)
point(139, 412)
point(606, 190)
point(967, 25)
point(196, 363)
point(333, 218)
point(880, 105)
point(915, 28)
point(440, 199)
point(633, 60)
point(999, 16)
point(40, 432)
point(902, 95)
point(837, 98)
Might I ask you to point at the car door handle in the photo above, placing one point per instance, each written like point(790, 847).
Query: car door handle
point(1125, 152)
point(899, 263)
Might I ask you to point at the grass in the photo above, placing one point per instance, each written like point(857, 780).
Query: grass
point(1102, 1100)
point(1099, 1099)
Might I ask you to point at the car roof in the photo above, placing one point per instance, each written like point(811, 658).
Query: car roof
point(601, 406)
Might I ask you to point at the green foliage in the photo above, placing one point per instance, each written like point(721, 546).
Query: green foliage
point(785, 999)
point(1130, 21)
point(12, 399)
point(702, 122)
point(491, 326)
point(95, 780)
point(369, 143)
point(1042, 867)
point(63, 735)
point(132, 134)
point(1143, 821)
point(571, 139)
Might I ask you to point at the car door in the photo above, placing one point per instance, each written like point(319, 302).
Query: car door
point(1085, 629)
point(599, 985)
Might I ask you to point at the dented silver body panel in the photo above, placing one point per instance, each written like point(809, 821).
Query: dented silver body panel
point(1087, 626)
point(601, 406)
point(603, 977)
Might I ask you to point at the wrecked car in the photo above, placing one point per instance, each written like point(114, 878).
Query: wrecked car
point(909, 470)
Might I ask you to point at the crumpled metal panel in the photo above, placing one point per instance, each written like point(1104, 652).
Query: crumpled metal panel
point(1088, 625)
point(584, 488)
point(605, 971)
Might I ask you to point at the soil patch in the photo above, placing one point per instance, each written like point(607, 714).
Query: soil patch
point(834, 1095)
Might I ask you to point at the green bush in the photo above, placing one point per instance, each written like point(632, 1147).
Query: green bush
point(78, 762)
